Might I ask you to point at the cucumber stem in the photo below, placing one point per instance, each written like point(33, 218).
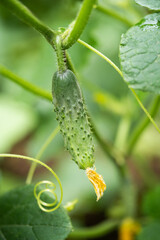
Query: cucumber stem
point(61, 55)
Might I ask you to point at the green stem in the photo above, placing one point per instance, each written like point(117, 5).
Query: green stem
point(101, 55)
point(143, 125)
point(39, 155)
point(74, 31)
point(70, 64)
point(109, 149)
point(95, 231)
point(114, 14)
point(61, 57)
point(145, 110)
point(122, 133)
point(26, 85)
point(27, 16)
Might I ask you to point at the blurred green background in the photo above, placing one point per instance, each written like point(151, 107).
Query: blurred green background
point(27, 120)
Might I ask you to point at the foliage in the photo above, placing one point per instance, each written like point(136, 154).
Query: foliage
point(150, 232)
point(154, 4)
point(139, 53)
point(150, 204)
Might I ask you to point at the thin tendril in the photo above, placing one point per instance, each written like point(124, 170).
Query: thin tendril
point(121, 74)
point(50, 187)
point(101, 55)
point(40, 153)
point(145, 110)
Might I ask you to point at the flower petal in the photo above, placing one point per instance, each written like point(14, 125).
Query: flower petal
point(97, 181)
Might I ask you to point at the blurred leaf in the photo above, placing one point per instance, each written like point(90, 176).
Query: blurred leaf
point(151, 232)
point(21, 218)
point(139, 54)
point(151, 203)
point(152, 4)
point(8, 182)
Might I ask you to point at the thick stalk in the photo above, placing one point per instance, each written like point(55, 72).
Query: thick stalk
point(95, 231)
point(24, 84)
point(73, 32)
point(27, 16)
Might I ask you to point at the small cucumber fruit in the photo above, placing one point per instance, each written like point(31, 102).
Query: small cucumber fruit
point(72, 117)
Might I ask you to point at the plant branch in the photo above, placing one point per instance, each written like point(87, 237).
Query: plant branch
point(23, 83)
point(95, 231)
point(27, 16)
point(114, 14)
point(143, 125)
point(75, 29)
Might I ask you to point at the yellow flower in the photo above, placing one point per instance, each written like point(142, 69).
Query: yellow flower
point(128, 229)
point(97, 181)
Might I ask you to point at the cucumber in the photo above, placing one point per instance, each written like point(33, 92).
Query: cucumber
point(72, 117)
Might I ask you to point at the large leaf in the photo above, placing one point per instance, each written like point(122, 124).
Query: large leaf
point(140, 54)
point(21, 218)
point(151, 232)
point(152, 4)
point(151, 203)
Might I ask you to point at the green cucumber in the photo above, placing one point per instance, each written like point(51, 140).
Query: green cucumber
point(72, 117)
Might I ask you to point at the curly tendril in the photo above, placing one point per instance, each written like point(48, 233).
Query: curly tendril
point(48, 186)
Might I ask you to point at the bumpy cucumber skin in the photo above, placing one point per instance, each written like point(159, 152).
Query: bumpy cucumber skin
point(72, 117)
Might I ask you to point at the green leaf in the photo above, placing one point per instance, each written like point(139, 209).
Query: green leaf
point(140, 54)
point(151, 203)
point(21, 218)
point(151, 232)
point(152, 4)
